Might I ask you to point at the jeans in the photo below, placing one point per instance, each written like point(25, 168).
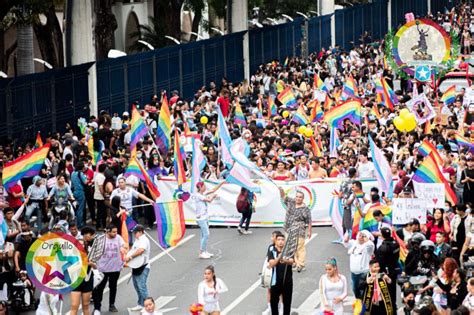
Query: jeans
point(204, 226)
point(139, 282)
point(81, 206)
point(112, 278)
point(357, 288)
point(30, 209)
point(246, 216)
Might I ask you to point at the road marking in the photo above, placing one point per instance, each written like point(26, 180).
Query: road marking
point(256, 284)
point(310, 304)
point(128, 275)
point(159, 304)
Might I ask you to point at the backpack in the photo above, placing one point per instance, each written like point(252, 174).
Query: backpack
point(243, 202)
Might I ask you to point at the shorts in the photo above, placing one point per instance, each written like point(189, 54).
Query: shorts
point(86, 285)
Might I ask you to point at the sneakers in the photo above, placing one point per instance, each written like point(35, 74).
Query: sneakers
point(267, 311)
point(96, 312)
point(137, 308)
point(204, 255)
point(210, 255)
point(246, 232)
point(301, 268)
point(240, 230)
point(113, 309)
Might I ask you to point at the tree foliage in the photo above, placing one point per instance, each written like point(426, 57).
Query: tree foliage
point(275, 8)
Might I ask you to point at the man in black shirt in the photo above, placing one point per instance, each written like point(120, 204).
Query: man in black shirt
point(282, 278)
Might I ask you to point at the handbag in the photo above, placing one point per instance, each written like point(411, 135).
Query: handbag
point(98, 277)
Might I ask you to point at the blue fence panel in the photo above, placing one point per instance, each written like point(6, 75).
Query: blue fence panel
point(234, 56)
point(214, 60)
point(111, 84)
point(400, 7)
point(379, 19)
point(443, 5)
point(3, 108)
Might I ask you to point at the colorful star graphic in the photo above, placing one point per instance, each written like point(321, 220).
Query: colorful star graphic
point(55, 257)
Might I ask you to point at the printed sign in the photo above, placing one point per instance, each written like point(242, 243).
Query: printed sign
point(421, 107)
point(405, 209)
point(433, 193)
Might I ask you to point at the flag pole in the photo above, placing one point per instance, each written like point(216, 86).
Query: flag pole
point(158, 244)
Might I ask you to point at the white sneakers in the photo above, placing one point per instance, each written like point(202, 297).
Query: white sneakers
point(205, 255)
point(137, 308)
point(246, 232)
point(96, 312)
point(239, 229)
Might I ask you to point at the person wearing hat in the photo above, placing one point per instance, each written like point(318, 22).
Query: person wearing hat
point(140, 248)
point(37, 195)
point(406, 232)
point(360, 252)
point(126, 118)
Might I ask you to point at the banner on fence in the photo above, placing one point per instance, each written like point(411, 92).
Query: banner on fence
point(270, 210)
point(405, 209)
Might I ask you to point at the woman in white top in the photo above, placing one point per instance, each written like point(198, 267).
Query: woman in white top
point(149, 307)
point(469, 300)
point(209, 290)
point(333, 289)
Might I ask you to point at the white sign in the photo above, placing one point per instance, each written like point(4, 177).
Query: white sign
point(433, 193)
point(468, 98)
point(319, 95)
point(405, 209)
point(421, 107)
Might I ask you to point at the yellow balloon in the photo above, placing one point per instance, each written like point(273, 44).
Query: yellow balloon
point(302, 129)
point(404, 113)
point(398, 122)
point(285, 114)
point(410, 124)
point(204, 120)
point(308, 132)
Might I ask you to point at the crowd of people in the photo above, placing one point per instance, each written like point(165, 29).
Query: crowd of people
point(97, 194)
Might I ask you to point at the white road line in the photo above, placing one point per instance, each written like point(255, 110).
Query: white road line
point(128, 275)
point(310, 304)
point(163, 300)
point(247, 292)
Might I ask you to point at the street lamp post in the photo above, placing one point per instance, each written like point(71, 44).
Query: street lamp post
point(44, 63)
point(173, 39)
point(287, 17)
point(215, 29)
point(147, 44)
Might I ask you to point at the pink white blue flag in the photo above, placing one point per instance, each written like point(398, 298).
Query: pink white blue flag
point(382, 168)
point(197, 164)
point(241, 176)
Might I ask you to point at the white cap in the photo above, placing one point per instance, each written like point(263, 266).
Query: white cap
point(125, 114)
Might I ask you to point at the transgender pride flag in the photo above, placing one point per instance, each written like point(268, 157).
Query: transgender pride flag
point(224, 138)
point(240, 176)
point(197, 165)
point(336, 212)
point(382, 168)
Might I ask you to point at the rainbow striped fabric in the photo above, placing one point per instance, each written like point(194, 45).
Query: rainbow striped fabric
point(429, 172)
point(319, 84)
point(239, 118)
point(170, 222)
point(316, 112)
point(28, 165)
point(300, 116)
point(96, 155)
point(403, 247)
point(390, 99)
point(133, 169)
point(369, 223)
point(163, 128)
point(463, 141)
point(426, 148)
point(359, 203)
point(349, 88)
point(39, 141)
point(272, 108)
point(179, 159)
point(149, 182)
point(197, 164)
point(316, 147)
point(287, 98)
point(328, 102)
point(138, 129)
point(449, 96)
point(348, 110)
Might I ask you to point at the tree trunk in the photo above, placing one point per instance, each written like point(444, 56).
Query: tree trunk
point(104, 27)
point(195, 26)
point(25, 63)
point(49, 38)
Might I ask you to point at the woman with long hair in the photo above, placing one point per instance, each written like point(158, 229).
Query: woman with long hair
point(439, 223)
point(209, 290)
point(332, 289)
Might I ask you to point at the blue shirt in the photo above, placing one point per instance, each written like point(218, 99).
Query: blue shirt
point(78, 180)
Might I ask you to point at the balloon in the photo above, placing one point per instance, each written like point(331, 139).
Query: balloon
point(404, 112)
point(284, 122)
point(410, 124)
point(302, 129)
point(308, 132)
point(204, 120)
point(285, 114)
point(398, 122)
point(410, 116)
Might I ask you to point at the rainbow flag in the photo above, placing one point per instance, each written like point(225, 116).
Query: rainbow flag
point(138, 129)
point(426, 148)
point(336, 211)
point(463, 141)
point(28, 165)
point(163, 129)
point(259, 107)
point(170, 222)
point(239, 118)
point(319, 84)
point(198, 163)
point(357, 222)
point(334, 172)
point(96, 155)
point(287, 98)
point(39, 141)
point(133, 169)
point(390, 99)
point(179, 159)
point(300, 116)
point(328, 103)
point(316, 148)
point(449, 96)
point(427, 129)
point(155, 193)
point(375, 111)
point(429, 172)
point(124, 229)
point(272, 108)
point(316, 111)
point(369, 223)
point(348, 110)
point(403, 248)
point(286, 62)
point(349, 88)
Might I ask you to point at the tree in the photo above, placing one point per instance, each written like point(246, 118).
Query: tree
point(153, 33)
point(275, 8)
point(197, 6)
point(105, 25)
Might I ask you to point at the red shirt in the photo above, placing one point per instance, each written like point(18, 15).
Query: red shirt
point(14, 202)
point(224, 104)
point(434, 228)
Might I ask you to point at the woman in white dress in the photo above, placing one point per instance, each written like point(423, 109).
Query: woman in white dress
point(333, 289)
point(209, 290)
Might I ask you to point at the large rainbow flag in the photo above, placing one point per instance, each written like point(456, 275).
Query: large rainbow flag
point(463, 141)
point(163, 128)
point(348, 110)
point(300, 116)
point(319, 84)
point(449, 96)
point(28, 165)
point(426, 148)
point(349, 88)
point(170, 222)
point(368, 221)
point(179, 159)
point(155, 193)
point(133, 169)
point(287, 98)
point(429, 172)
point(138, 129)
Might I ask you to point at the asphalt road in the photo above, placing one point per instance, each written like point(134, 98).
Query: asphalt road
point(238, 261)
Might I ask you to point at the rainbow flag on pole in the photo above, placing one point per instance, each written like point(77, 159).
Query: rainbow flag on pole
point(239, 118)
point(155, 193)
point(316, 147)
point(272, 108)
point(163, 129)
point(316, 112)
point(179, 159)
point(170, 222)
point(319, 84)
point(382, 168)
point(429, 172)
point(138, 129)
point(426, 148)
point(403, 248)
point(28, 165)
point(349, 88)
point(463, 141)
point(449, 96)
point(390, 99)
point(39, 141)
point(133, 169)
point(349, 110)
point(300, 116)
point(287, 98)
point(369, 223)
